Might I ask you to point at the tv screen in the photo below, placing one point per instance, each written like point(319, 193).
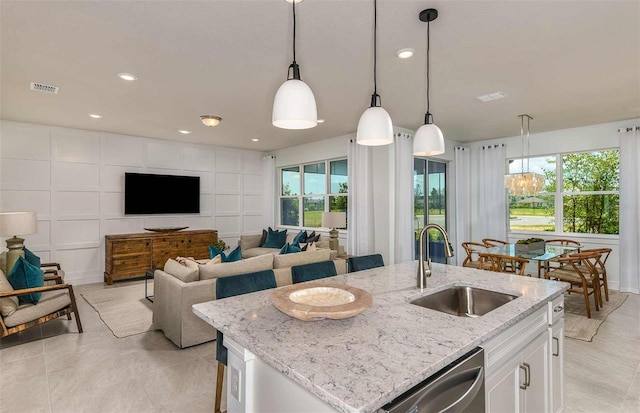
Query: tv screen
point(161, 194)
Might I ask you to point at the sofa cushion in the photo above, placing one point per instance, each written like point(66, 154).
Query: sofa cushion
point(255, 252)
point(235, 255)
point(290, 249)
point(24, 275)
point(8, 305)
point(309, 246)
point(251, 241)
point(263, 262)
point(313, 237)
point(275, 238)
point(300, 258)
point(300, 237)
point(263, 238)
point(181, 272)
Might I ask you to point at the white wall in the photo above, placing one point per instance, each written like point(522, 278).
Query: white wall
point(74, 179)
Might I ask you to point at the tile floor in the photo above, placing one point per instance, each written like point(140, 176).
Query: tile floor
point(52, 369)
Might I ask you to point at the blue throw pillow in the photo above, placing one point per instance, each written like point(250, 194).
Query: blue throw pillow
point(235, 255)
point(275, 238)
point(290, 248)
point(301, 237)
point(31, 258)
point(24, 275)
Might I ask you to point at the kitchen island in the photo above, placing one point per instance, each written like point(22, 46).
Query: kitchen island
point(362, 363)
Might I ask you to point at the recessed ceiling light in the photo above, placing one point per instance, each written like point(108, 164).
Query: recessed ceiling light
point(95, 116)
point(210, 120)
point(255, 140)
point(491, 96)
point(127, 76)
point(320, 120)
point(184, 132)
point(405, 53)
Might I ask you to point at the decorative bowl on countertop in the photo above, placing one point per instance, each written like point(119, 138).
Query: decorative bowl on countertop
point(318, 300)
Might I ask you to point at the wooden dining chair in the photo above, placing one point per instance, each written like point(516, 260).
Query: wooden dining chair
point(472, 259)
point(504, 263)
point(580, 271)
point(553, 263)
point(492, 242)
point(601, 269)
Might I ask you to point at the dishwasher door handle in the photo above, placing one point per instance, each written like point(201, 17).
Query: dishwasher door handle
point(458, 405)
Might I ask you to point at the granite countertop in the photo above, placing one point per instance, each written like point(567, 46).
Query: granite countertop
point(361, 363)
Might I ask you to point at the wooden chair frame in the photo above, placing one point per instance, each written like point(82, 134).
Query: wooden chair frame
point(505, 263)
point(583, 265)
point(563, 242)
point(470, 250)
point(71, 308)
point(601, 269)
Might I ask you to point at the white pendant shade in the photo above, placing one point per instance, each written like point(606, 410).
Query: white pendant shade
point(294, 106)
point(375, 127)
point(428, 141)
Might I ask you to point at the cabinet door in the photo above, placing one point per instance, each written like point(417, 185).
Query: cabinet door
point(167, 247)
point(502, 388)
point(556, 344)
point(198, 245)
point(535, 358)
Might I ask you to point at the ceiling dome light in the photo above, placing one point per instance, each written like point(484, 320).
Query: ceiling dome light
point(184, 132)
point(375, 127)
point(210, 120)
point(405, 53)
point(320, 120)
point(95, 116)
point(127, 76)
point(428, 140)
point(255, 140)
point(294, 106)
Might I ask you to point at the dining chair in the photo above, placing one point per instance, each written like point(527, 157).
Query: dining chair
point(313, 271)
point(504, 263)
point(492, 242)
point(229, 287)
point(580, 272)
point(601, 269)
point(365, 262)
point(472, 259)
point(549, 265)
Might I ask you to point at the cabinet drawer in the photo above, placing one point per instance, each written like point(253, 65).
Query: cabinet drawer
point(556, 310)
point(132, 246)
point(165, 248)
point(198, 245)
point(134, 264)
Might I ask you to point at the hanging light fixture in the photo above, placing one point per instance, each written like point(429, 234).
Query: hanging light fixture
point(294, 106)
point(375, 127)
point(428, 140)
point(210, 120)
point(524, 183)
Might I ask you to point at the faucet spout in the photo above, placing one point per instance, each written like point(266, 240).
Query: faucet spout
point(424, 272)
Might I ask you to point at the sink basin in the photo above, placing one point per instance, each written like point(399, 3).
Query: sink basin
point(464, 301)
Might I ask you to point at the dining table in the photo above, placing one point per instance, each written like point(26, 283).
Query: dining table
point(542, 256)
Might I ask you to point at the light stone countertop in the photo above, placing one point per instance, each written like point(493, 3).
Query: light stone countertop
point(361, 363)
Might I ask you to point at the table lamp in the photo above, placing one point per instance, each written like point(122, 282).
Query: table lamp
point(334, 220)
point(13, 224)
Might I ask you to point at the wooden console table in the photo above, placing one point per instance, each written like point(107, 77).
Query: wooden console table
point(130, 255)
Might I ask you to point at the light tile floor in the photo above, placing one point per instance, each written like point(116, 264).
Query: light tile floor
point(53, 369)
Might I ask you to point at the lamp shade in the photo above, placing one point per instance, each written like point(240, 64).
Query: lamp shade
point(294, 106)
point(375, 127)
point(334, 219)
point(428, 141)
point(18, 223)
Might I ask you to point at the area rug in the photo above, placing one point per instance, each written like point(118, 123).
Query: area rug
point(123, 309)
point(576, 323)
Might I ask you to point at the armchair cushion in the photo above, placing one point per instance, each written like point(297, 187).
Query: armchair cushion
point(8, 305)
point(24, 275)
point(50, 302)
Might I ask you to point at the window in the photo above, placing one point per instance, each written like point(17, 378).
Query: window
point(431, 175)
point(322, 186)
point(585, 188)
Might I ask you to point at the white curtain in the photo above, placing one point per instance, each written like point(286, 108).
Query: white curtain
point(462, 165)
point(268, 191)
point(489, 210)
point(403, 198)
point(630, 209)
point(361, 236)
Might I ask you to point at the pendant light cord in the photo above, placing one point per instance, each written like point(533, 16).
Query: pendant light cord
point(522, 143)
point(294, 31)
point(427, 115)
point(375, 47)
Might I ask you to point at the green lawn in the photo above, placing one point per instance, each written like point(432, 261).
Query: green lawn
point(536, 212)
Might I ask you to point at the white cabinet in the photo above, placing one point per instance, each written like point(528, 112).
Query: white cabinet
point(519, 367)
point(556, 334)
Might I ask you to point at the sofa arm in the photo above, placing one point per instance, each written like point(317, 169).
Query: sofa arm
point(172, 311)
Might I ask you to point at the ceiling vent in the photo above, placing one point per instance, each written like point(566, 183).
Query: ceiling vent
point(41, 87)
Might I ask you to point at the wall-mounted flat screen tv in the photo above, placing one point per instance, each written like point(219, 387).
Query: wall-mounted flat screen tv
point(161, 194)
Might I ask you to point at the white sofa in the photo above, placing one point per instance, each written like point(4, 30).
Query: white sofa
point(250, 245)
point(177, 288)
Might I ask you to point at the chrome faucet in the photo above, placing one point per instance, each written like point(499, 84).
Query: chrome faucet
point(424, 273)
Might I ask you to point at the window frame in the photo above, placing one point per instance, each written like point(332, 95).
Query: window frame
point(558, 197)
point(301, 195)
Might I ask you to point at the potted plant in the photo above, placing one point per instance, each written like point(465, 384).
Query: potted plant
point(530, 244)
point(220, 245)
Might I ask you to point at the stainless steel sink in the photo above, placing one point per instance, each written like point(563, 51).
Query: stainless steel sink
point(464, 301)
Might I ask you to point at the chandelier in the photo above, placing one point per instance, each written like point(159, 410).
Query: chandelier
point(524, 183)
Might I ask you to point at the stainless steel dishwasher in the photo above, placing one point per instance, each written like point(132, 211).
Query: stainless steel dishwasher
point(459, 387)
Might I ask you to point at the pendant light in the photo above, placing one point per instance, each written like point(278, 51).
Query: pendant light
point(375, 127)
point(524, 183)
point(428, 140)
point(294, 106)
